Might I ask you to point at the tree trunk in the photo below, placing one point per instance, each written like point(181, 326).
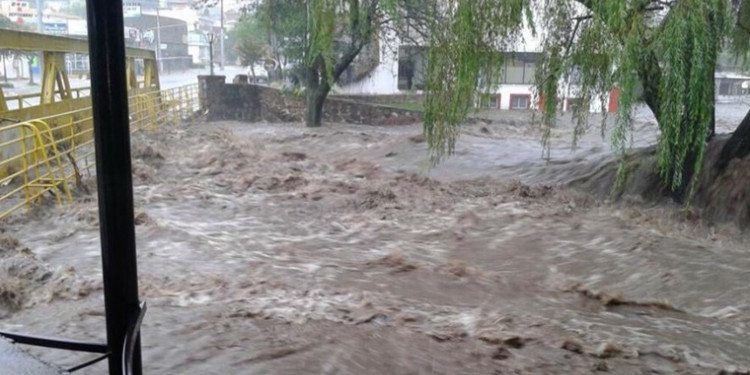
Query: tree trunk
point(315, 100)
point(650, 76)
point(211, 57)
point(317, 90)
point(712, 125)
point(738, 145)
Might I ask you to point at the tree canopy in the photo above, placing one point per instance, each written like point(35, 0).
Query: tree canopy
point(286, 25)
point(668, 49)
point(250, 40)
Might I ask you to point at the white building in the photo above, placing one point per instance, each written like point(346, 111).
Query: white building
point(401, 70)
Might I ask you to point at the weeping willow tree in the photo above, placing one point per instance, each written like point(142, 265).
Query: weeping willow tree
point(658, 52)
point(466, 38)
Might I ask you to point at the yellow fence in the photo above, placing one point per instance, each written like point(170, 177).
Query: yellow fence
point(29, 100)
point(51, 155)
point(22, 101)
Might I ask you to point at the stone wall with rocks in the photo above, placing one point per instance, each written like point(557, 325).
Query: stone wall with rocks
point(252, 103)
point(396, 99)
point(221, 101)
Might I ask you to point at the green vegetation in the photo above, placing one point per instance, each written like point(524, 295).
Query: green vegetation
point(670, 48)
point(411, 105)
point(250, 41)
point(324, 37)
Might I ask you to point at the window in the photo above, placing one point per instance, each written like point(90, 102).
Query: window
point(493, 101)
point(520, 101)
point(411, 68)
point(490, 101)
point(514, 72)
point(519, 68)
point(529, 73)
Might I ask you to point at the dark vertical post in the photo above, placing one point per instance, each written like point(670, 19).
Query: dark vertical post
point(211, 53)
point(109, 99)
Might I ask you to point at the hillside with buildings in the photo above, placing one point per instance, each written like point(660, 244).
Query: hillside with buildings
point(178, 29)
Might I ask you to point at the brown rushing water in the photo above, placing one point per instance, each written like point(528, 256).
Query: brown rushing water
point(275, 249)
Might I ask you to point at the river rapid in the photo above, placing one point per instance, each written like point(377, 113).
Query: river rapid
point(276, 249)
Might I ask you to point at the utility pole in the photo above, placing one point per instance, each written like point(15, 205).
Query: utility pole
point(39, 19)
point(158, 37)
point(211, 37)
point(40, 29)
point(221, 35)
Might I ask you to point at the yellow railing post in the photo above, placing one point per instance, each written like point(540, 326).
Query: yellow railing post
point(3, 103)
point(53, 181)
point(24, 161)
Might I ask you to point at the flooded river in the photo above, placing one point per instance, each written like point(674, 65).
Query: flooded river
point(275, 249)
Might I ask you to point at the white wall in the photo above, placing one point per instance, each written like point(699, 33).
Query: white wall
point(506, 90)
point(383, 80)
point(195, 52)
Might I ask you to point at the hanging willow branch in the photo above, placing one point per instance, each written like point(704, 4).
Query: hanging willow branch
point(668, 49)
point(465, 59)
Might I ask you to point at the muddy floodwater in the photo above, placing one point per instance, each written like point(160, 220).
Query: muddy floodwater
point(276, 249)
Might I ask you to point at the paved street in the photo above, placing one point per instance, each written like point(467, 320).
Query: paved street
point(168, 80)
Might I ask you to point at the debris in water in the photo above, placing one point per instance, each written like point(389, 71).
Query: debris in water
point(456, 268)
point(601, 366)
point(525, 191)
point(612, 301)
point(501, 353)
point(375, 198)
point(8, 243)
point(294, 156)
point(515, 341)
point(143, 219)
point(419, 138)
point(397, 261)
point(607, 350)
point(572, 345)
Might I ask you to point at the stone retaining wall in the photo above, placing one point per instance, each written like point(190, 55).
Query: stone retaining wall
point(252, 103)
point(383, 99)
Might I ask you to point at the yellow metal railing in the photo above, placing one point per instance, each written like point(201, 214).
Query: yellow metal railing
point(27, 100)
point(22, 101)
point(50, 154)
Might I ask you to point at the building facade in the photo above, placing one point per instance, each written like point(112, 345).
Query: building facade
point(401, 70)
point(169, 34)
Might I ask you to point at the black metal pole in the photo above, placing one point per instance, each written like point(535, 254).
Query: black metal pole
point(109, 99)
point(211, 54)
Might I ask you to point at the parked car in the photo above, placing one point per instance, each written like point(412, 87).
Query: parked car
point(261, 74)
